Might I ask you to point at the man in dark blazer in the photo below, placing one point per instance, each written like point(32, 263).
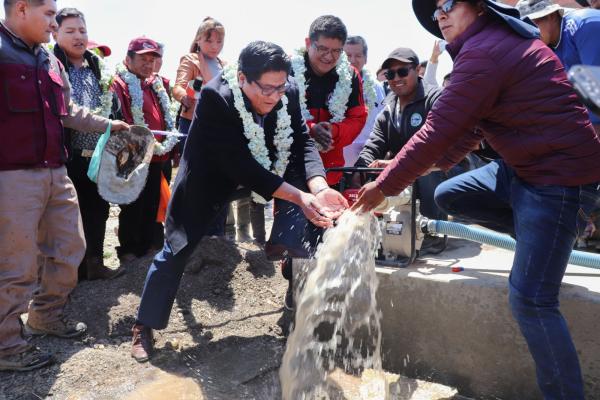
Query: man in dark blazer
point(217, 160)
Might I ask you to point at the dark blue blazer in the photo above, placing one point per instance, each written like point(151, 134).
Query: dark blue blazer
point(216, 161)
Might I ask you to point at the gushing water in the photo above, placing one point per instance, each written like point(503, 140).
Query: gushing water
point(337, 321)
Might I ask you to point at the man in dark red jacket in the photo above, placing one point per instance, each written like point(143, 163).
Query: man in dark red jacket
point(513, 87)
point(332, 91)
point(137, 220)
point(39, 213)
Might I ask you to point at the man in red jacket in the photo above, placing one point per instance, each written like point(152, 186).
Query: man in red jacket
point(332, 103)
point(514, 88)
point(331, 90)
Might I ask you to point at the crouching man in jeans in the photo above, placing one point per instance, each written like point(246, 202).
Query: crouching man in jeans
point(39, 213)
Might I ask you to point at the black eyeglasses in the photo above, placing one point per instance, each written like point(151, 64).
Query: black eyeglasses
point(401, 72)
point(269, 90)
point(446, 7)
point(323, 51)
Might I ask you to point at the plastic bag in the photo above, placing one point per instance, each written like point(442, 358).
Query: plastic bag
point(92, 172)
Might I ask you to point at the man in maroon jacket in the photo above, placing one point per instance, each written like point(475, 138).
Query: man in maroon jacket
point(39, 214)
point(134, 86)
point(513, 87)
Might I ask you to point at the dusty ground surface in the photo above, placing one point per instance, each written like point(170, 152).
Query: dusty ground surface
point(225, 338)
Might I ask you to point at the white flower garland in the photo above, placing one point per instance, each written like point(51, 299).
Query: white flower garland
point(137, 102)
point(106, 99)
point(338, 103)
point(256, 134)
point(369, 89)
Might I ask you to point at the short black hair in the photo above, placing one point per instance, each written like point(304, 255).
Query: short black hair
point(259, 57)
point(131, 54)
point(358, 40)
point(9, 3)
point(328, 26)
point(68, 12)
point(423, 64)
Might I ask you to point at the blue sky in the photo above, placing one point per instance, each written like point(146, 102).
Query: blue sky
point(384, 24)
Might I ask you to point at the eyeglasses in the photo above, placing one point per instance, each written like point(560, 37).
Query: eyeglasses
point(269, 90)
point(402, 72)
point(446, 7)
point(323, 51)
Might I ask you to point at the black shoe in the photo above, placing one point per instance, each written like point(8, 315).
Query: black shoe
point(29, 359)
point(289, 298)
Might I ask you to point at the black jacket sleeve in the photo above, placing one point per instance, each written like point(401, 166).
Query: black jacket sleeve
point(377, 145)
point(218, 125)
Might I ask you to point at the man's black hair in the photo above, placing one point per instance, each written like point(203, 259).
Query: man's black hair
point(423, 64)
point(259, 57)
point(69, 12)
point(9, 3)
point(358, 40)
point(328, 26)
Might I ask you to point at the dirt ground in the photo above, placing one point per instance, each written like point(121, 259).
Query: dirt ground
point(225, 338)
point(225, 332)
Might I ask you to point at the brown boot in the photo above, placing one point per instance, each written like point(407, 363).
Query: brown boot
point(97, 270)
point(143, 343)
point(63, 328)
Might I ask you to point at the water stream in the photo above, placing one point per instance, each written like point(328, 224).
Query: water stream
point(337, 322)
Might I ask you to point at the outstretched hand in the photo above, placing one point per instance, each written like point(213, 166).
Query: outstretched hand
point(333, 202)
point(117, 126)
point(369, 197)
point(314, 211)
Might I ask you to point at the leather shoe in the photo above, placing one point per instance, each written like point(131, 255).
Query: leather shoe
point(143, 343)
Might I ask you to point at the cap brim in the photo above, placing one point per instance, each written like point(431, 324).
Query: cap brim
point(546, 11)
point(106, 50)
point(146, 51)
point(387, 62)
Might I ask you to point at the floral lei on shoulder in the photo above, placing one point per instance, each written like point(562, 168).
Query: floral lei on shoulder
point(338, 103)
point(369, 89)
point(137, 102)
point(106, 99)
point(256, 134)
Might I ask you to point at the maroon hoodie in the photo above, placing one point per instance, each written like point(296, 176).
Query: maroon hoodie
point(517, 92)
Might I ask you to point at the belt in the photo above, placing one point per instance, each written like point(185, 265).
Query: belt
point(83, 153)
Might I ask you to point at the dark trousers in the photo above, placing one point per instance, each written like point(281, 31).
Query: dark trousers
point(160, 288)
point(93, 208)
point(137, 220)
point(545, 220)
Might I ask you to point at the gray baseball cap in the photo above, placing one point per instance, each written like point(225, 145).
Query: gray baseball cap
point(535, 9)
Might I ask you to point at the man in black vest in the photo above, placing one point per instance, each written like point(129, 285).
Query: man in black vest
point(219, 157)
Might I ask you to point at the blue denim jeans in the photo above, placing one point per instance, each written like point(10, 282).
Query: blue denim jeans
point(544, 219)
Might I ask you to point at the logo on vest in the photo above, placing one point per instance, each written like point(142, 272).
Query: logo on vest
point(415, 120)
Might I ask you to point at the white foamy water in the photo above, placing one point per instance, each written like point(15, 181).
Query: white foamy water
point(337, 321)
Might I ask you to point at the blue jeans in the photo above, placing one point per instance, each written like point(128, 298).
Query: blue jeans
point(544, 220)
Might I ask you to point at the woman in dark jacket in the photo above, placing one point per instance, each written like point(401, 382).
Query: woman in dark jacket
point(506, 82)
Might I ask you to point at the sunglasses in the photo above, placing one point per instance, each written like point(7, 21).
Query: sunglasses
point(444, 9)
point(402, 72)
point(269, 90)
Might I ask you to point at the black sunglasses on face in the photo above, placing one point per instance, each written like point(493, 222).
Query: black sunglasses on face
point(446, 7)
point(401, 72)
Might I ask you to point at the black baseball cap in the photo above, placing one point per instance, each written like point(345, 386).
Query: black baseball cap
point(401, 54)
